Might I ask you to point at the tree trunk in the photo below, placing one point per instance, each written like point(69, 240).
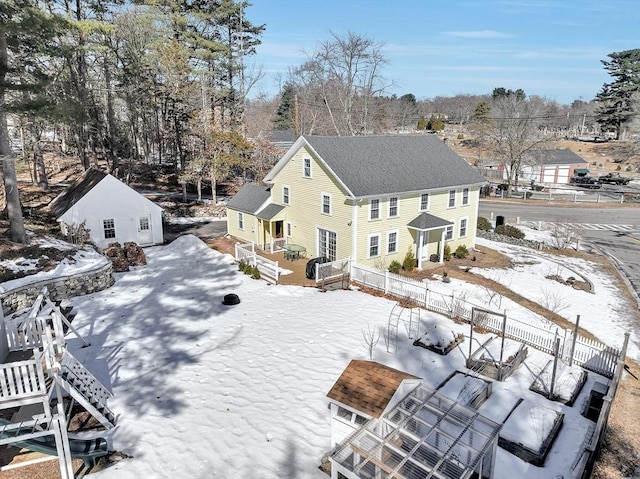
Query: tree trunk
point(111, 122)
point(11, 193)
point(38, 159)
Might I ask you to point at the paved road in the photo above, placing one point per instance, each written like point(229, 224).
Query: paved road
point(616, 231)
point(205, 230)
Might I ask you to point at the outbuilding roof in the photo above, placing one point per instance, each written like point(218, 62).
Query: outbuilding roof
point(377, 165)
point(367, 386)
point(559, 157)
point(69, 197)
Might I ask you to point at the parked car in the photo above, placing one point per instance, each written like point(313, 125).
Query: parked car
point(614, 179)
point(585, 182)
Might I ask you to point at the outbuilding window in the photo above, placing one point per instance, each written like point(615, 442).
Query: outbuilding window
point(109, 228)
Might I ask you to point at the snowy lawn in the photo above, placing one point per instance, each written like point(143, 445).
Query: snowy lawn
point(206, 390)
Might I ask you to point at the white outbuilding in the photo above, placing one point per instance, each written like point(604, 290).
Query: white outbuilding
point(110, 211)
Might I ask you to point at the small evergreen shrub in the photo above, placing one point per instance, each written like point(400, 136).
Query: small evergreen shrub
point(254, 272)
point(447, 252)
point(508, 230)
point(242, 266)
point(484, 224)
point(409, 262)
point(395, 267)
point(462, 251)
point(460, 136)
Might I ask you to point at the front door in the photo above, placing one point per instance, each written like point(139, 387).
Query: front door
point(327, 244)
point(144, 231)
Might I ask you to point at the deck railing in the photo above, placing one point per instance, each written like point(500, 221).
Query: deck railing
point(21, 381)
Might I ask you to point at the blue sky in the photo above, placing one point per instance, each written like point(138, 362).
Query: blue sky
point(550, 48)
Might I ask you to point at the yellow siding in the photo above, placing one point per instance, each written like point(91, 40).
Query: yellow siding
point(304, 210)
point(248, 233)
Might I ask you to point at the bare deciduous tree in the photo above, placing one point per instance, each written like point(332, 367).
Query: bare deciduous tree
point(370, 338)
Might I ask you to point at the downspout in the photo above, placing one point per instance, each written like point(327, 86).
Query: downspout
point(354, 229)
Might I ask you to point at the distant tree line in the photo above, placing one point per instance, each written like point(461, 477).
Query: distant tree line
point(122, 82)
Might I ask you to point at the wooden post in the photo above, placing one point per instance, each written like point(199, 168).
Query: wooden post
point(556, 350)
point(504, 329)
point(574, 339)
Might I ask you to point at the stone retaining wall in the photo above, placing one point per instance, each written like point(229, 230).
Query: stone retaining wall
point(59, 288)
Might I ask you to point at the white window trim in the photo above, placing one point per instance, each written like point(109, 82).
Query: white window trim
point(466, 219)
point(304, 163)
point(420, 202)
point(288, 196)
point(372, 235)
point(371, 209)
point(389, 207)
point(240, 221)
point(468, 197)
point(453, 231)
point(104, 228)
point(330, 196)
point(455, 194)
point(389, 233)
point(288, 229)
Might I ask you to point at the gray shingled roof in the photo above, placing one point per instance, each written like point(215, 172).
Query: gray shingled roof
point(425, 222)
point(376, 165)
point(559, 157)
point(250, 198)
point(269, 211)
point(69, 197)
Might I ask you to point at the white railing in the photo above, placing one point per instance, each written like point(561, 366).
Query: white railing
point(331, 270)
point(246, 253)
point(92, 389)
point(274, 246)
point(590, 354)
point(268, 269)
point(22, 380)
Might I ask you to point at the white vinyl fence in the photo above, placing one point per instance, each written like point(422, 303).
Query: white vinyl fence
point(590, 354)
point(269, 270)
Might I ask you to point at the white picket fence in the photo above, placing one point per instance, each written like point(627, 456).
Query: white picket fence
point(590, 354)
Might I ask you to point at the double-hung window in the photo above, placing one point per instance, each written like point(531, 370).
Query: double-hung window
point(424, 201)
point(374, 209)
point(109, 227)
point(448, 235)
point(240, 221)
point(465, 196)
point(392, 242)
point(374, 245)
point(463, 227)
point(306, 169)
point(452, 198)
point(285, 195)
point(393, 206)
point(326, 204)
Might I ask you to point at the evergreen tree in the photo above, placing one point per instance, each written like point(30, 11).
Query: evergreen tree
point(284, 117)
point(619, 100)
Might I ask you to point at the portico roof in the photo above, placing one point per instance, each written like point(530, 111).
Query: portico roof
point(427, 222)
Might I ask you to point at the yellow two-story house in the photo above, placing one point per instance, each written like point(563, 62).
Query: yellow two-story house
point(369, 198)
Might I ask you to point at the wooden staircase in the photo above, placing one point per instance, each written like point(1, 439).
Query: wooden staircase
point(83, 386)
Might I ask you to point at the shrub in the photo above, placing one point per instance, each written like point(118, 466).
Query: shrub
point(484, 224)
point(395, 267)
point(460, 136)
point(242, 266)
point(462, 251)
point(409, 261)
point(508, 230)
point(254, 272)
point(528, 194)
point(447, 252)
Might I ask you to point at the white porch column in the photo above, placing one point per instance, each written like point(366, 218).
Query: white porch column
point(420, 248)
point(354, 230)
point(441, 252)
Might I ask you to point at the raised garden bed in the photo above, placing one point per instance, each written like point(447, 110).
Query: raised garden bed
point(568, 383)
point(439, 339)
point(466, 389)
point(529, 432)
point(486, 359)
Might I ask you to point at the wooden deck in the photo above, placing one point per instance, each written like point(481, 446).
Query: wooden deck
point(298, 267)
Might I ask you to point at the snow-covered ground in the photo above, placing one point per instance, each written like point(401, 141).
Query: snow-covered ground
point(205, 390)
